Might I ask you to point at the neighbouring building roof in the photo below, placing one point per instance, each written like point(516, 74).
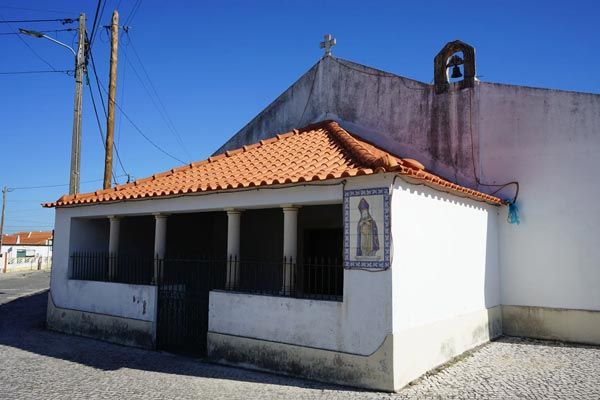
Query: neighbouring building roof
point(317, 152)
point(28, 238)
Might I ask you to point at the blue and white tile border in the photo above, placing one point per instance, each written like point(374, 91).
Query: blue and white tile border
point(371, 265)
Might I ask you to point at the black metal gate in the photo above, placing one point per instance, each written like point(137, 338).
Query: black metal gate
point(183, 289)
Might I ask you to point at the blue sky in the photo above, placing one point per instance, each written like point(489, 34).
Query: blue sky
point(216, 64)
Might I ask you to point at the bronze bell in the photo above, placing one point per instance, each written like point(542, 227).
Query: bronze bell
point(456, 72)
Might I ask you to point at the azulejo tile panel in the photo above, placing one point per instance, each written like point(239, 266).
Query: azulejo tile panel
point(367, 228)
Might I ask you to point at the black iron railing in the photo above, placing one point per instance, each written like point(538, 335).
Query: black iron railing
point(314, 278)
point(259, 277)
point(105, 267)
point(197, 274)
point(321, 278)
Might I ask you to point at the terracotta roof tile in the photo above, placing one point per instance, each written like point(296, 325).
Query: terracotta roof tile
point(27, 238)
point(317, 152)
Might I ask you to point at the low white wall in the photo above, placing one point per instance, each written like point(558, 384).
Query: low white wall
point(294, 321)
point(117, 299)
point(357, 325)
point(26, 263)
point(446, 277)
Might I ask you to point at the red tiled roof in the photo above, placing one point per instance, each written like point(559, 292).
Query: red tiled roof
point(31, 238)
point(317, 152)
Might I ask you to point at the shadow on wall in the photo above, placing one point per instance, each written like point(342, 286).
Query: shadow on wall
point(22, 326)
point(492, 271)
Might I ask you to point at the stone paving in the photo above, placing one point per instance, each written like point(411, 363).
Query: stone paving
point(38, 364)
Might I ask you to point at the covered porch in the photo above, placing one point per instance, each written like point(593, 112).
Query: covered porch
point(287, 251)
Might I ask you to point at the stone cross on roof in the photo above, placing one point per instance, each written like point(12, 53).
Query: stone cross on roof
point(328, 44)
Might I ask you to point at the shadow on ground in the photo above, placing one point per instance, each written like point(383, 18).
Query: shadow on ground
point(22, 326)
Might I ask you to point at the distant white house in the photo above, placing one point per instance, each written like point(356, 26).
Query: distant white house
point(314, 244)
point(24, 250)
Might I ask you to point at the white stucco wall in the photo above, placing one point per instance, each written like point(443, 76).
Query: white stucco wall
point(549, 141)
point(445, 274)
point(445, 255)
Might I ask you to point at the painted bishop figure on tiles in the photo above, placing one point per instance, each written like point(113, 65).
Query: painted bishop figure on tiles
point(368, 241)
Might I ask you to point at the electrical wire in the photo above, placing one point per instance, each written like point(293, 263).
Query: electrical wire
point(91, 55)
point(477, 180)
point(103, 109)
point(133, 11)
point(3, 21)
point(62, 20)
point(145, 136)
point(45, 31)
point(65, 71)
point(158, 103)
point(344, 64)
point(96, 22)
point(36, 9)
point(137, 128)
point(51, 186)
point(102, 140)
point(380, 74)
point(122, 80)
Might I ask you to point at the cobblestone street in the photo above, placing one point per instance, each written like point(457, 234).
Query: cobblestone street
point(38, 364)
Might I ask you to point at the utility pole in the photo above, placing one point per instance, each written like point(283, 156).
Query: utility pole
point(76, 140)
point(4, 191)
point(112, 94)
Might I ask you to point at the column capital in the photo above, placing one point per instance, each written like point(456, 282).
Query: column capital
point(290, 207)
point(233, 211)
point(114, 217)
point(160, 215)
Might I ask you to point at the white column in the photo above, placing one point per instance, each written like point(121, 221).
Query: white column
point(113, 239)
point(290, 246)
point(160, 241)
point(113, 245)
point(233, 247)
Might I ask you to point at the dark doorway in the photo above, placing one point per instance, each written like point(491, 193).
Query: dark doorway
point(194, 265)
point(323, 243)
point(261, 250)
point(320, 251)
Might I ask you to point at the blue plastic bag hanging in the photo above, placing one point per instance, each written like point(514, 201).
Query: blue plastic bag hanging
point(513, 214)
